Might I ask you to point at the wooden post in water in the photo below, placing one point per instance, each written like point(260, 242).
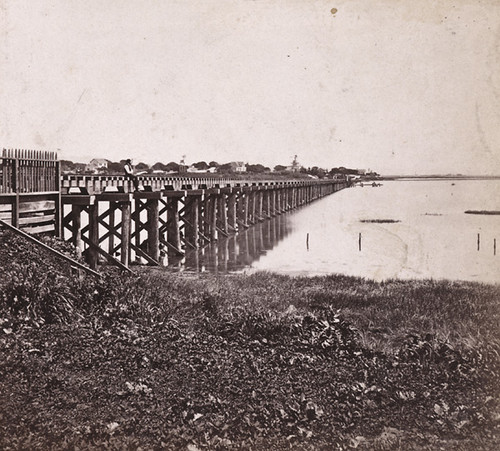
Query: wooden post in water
point(206, 215)
point(246, 202)
point(231, 211)
point(241, 208)
point(494, 246)
point(359, 242)
point(279, 201)
point(222, 213)
point(213, 217)
point(478, 241)
point(272, 202)
point(252, 207)
point(266, 204)
point(260, 196)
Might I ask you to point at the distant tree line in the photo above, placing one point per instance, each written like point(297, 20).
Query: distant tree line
point(108, 167)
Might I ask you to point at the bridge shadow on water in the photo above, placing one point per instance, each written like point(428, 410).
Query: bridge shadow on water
point(236, 252)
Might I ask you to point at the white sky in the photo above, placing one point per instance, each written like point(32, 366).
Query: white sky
point(398, 86)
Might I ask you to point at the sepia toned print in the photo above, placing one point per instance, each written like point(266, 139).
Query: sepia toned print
point(247, 224)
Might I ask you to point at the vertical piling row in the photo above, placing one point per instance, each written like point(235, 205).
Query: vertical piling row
point(156, 220)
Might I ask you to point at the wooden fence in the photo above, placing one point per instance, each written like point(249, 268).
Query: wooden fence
point(30, 195)
point(28, 171)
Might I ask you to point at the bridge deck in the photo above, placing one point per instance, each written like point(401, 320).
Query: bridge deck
point(104, 216)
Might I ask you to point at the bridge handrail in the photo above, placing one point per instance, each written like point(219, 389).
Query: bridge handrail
point(28, 171)
point(96, 183)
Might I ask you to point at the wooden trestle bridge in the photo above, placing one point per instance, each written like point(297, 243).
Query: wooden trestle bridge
point(102, 215)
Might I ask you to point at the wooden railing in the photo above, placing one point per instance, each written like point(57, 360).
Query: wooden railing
point(96, 184)
point(28, 171)
point(30, 194)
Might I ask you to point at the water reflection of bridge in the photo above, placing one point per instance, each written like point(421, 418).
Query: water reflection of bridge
point(237, 251)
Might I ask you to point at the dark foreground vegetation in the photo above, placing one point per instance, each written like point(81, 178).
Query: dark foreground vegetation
point(261, 362)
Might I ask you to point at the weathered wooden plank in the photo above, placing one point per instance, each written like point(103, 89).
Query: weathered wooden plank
point(35, 230)
point(143, 254)
point(78, 199)
point(27, 213)
point(107, 255)
point(48, 248)
point(42, 195)
point(25, 206)
point(36, 219)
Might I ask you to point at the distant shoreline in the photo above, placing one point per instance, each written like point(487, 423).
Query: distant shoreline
point(438, 177)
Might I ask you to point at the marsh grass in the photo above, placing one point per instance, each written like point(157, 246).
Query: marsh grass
point(462, 314)
point(261, 361)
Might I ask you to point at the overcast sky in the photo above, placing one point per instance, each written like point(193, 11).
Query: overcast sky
point(397, 86)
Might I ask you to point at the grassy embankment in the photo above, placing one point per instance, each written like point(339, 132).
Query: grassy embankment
point(165, 361)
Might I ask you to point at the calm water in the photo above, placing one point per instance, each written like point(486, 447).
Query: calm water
point(434, 238)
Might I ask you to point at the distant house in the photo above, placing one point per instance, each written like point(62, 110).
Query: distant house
point(183, 168)
point(194, 170)
point(294, 168)
point(238, 166)
point(96, 164)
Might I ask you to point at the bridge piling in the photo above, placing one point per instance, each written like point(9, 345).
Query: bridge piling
point(153, 231)
point(101, 212)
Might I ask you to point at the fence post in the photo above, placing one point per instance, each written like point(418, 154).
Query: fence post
point(58, 202)
point(15, 190)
